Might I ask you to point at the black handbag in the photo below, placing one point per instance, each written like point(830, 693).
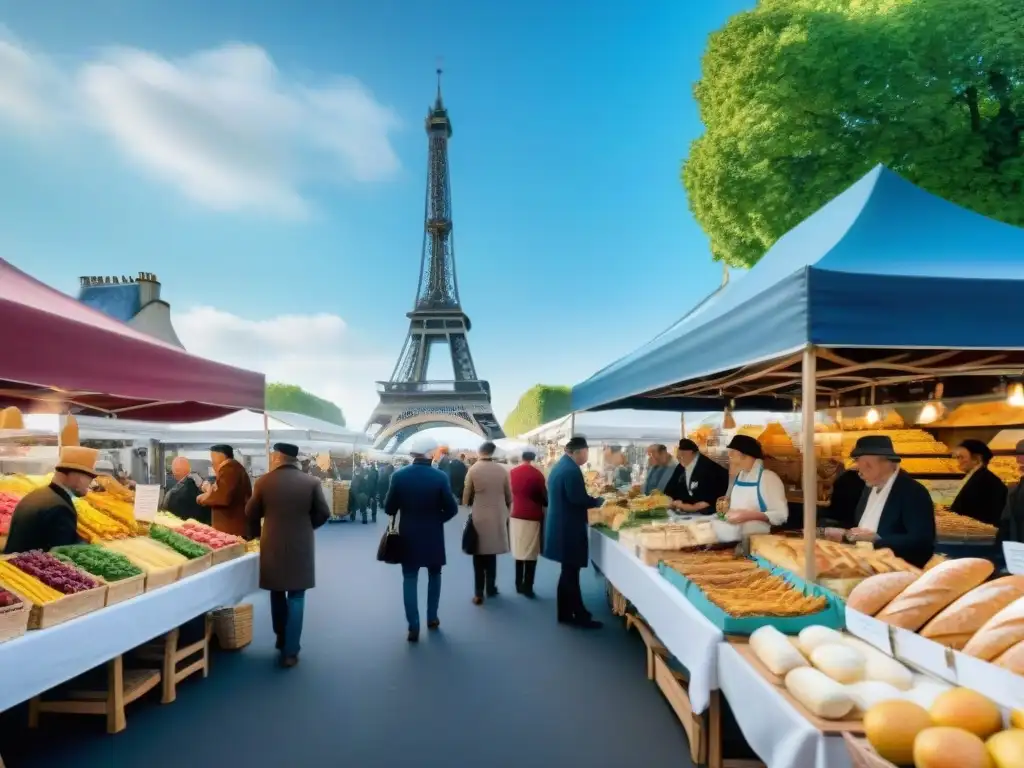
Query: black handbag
point(470, 539)
point(390, 549)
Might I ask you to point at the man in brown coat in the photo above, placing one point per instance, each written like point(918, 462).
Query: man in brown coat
point(229, 493)
point(489, 492)
point(292, 504)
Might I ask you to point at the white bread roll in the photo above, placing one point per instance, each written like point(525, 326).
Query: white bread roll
point(840, 662)
point(933, 591)
point(958, 622)
point(876, 592)
point(998, 634)
point(811, 637)
point(819, 693)
point(867, 693)
point(926, 690)
point(775, 650)
point(1012, 659)
point(881, 668)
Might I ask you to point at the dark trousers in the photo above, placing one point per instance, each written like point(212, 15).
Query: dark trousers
point(485, 573)
point(286, 609)
point(570, 598)
point(526, 570)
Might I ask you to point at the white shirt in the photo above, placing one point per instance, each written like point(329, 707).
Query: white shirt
point(773, 492)
point(688, 469)
point(876, 503)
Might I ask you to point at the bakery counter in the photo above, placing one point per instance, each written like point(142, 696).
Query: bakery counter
point(773, 725)
point(684, 632)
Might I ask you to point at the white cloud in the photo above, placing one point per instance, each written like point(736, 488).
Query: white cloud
point(316, 352)
point(224, 126)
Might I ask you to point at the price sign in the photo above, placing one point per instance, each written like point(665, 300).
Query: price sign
point(1000, 685)
point(924, 653)
point(147, 502)
point(1013, 551)
point(870, 630)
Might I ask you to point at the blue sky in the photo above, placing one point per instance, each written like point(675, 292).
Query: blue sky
point(280, 201)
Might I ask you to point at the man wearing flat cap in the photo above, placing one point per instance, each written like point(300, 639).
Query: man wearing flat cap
point(1011, 523)
point(228, 494)
point(982, 494)
point(567, 532)
point(697, 481)
point(291, 505)
point(895, 512)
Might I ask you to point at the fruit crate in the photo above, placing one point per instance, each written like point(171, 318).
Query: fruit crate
point(197, 565)
point(14, 618)
point(66, 608)
point(224, 554)
point(161, 577)
point(124, 589)
point(862, 755)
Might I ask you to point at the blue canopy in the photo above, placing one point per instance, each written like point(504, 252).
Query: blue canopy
point(883, 265)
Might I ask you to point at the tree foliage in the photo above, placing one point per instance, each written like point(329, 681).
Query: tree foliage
point(538, 405)
point(288, 397)
point(800, 98)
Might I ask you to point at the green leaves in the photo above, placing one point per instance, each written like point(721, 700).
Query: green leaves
point(538, 405)
point(288, 397)
point(800, 98)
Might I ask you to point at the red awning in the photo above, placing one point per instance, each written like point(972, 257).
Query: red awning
point(56, 353)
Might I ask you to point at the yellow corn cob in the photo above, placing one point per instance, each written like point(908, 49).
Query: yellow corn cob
point(168, 520)
point(18, 485)
point(121, 511)
point(146, 553)
point(93, 524)
point(29, 587)
point(115, 489)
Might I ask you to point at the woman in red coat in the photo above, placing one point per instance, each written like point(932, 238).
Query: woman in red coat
point(529, 500)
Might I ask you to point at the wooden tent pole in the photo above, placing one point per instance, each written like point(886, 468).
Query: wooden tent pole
point(808, 402)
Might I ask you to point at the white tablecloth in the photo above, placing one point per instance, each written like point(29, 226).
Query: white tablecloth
point(684, 630)
point(777, 733)
point(43, 659)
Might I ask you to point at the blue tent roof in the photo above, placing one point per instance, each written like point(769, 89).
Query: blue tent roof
point(885, 264)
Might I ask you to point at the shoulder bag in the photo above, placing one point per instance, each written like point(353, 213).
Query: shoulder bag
point(390, 549)
point(470, 539)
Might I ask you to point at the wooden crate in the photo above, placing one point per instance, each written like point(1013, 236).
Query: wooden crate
point(224, 554)
point(192, 567)
point(68, 607)
point(161, 577)
point(14, 620)
point(125, 589)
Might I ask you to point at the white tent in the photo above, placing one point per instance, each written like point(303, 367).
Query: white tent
point(246, 428)
point(610, 426)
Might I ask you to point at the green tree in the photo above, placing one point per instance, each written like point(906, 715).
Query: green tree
point(288, 397)
point(800, 98)
point(538, 405)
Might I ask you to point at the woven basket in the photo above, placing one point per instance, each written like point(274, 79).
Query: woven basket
point(340, 500)
point(862, 755)
point(233, 626)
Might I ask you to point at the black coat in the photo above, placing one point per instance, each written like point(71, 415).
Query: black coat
point(907, 524)
point(457, 476)
point(384, 480)
point(844, 508)
point(1011, 524)
point(422, 498)
point(44, 519)
point(181, 500)
point(709, 481)
point(982, 497)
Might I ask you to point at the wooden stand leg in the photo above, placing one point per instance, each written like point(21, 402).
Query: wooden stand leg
point(170, 685)
point(206, 647)
point(715, 731)
point(116, 721)
point(33, 713)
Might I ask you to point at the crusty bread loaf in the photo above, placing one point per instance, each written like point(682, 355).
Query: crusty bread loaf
point(998, 634)
point(876, 592)
point(933, 591)
point(1012, 659)
point(958, 622)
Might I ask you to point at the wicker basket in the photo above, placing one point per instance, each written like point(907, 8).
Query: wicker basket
point(862, 755)
point(233, 626)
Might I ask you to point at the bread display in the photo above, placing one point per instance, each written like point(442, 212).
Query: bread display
point(841, 662)
point(880, 667)
point(775, 651)
point(950, 525)
point(998, 634)
point(933, 591)
point(740, 588)
point(876, 592)
point(958, 622)
point(819, 694)
point(1012, 659)
point(811, 637)
point(867, 693)
point(833, 560)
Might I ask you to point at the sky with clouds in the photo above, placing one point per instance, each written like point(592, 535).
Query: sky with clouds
point(267, 161)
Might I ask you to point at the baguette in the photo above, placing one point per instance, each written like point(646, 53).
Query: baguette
point(876, 592)
point(958, 622)
point(998, 634)
point(1012, 659)
point(933, 591)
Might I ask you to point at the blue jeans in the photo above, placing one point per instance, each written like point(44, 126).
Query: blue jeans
point(286, 616)
point(410, 582)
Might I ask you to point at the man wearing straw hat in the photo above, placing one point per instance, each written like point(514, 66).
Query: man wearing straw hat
point(46, 517)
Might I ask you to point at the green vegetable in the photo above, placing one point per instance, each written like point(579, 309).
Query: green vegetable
point(110, 566)
point(181, 544)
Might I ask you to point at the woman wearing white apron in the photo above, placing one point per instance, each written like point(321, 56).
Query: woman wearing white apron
point(757, 496)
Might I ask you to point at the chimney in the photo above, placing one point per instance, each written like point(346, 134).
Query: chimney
point(149, 288)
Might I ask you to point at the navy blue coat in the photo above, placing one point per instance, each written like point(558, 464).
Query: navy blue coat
point(566, 531)
point(422, 498)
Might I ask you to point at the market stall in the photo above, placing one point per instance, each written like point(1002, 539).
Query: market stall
point(839, 315)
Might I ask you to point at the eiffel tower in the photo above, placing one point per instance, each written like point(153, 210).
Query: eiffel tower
point(409, 401)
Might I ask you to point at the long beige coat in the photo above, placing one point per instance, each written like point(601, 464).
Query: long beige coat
point(489, 493)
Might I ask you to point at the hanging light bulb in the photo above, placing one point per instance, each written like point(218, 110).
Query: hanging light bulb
point(839, 417)
point(1015, 394)
point(933, 409)
point(872, 416)
point(728, 422)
